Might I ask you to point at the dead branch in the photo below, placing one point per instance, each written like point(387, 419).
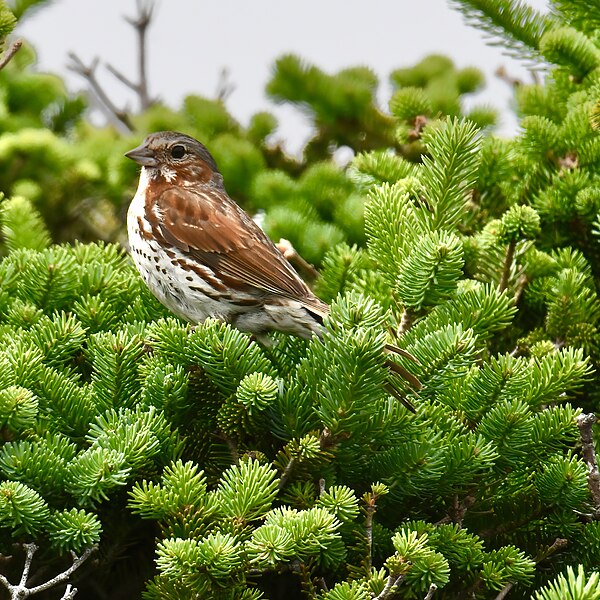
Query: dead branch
point(21, 591)
point(120, 117)
point(391, 586)
point(12, 50)
point(585, 422)
point(224, 86)
point(503, 74)
point(291, 254)
point(431, 591)
point(116, 115)
point(140, 23)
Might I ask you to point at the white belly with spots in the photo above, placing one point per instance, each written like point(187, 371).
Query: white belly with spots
point(183, 292)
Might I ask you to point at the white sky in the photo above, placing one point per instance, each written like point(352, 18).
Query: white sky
point(190, 41)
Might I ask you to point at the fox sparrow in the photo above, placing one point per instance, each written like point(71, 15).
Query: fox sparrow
point(202, 256)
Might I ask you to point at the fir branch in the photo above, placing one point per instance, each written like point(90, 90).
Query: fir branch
point(518, 223)
point(585, 422)
point(431, 271)
point(392, 223)
point(22, 225)
point(558, 544)
point(450, 171)
point(571, 586)
point(510, 23)
point(12, 50)
point(572, 49)
point(581, 14)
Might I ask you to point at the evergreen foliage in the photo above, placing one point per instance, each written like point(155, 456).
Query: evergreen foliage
point(204, 465)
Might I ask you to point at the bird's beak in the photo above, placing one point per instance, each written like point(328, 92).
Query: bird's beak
point(142, 155)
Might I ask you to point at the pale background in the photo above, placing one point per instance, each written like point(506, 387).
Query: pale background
point(191, 41)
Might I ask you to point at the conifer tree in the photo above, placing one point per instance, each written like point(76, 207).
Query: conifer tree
point(192, 462)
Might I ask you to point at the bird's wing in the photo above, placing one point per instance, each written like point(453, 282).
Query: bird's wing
point(209, 227)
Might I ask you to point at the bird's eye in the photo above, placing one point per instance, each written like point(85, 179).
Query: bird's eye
point(178, 151)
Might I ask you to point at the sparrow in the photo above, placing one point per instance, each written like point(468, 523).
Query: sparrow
point(202, 256)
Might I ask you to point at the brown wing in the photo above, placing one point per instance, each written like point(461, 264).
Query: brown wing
point(214, 230)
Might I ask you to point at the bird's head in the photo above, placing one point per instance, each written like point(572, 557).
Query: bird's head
point(176, 157)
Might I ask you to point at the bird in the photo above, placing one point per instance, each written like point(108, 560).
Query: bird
point(203, 256)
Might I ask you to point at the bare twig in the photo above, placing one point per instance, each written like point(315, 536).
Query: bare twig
point(390, 587)
point(119, 117)
point(508, 261)
point(29, 552)
point(328, 440)
point(21, 591)
point(12, 50)
point(370, 511)
point(431, 591)
point(504, 591)
point(286, 473)
point(308, 587)
point(232, 446)
point(558, 544)
point(456, 513)
point(522, 283)
point(321, 584)
point(585, 422)
point(405, 321)
point(122, 78)
point(224, 86)
point(70, 593)
point(321, 487)
point(568, 162)
point(291, 254)
point(502, 73)
point(418, 125)
point(140, 24)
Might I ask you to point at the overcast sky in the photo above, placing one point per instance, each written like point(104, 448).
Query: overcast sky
point(191, 41)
